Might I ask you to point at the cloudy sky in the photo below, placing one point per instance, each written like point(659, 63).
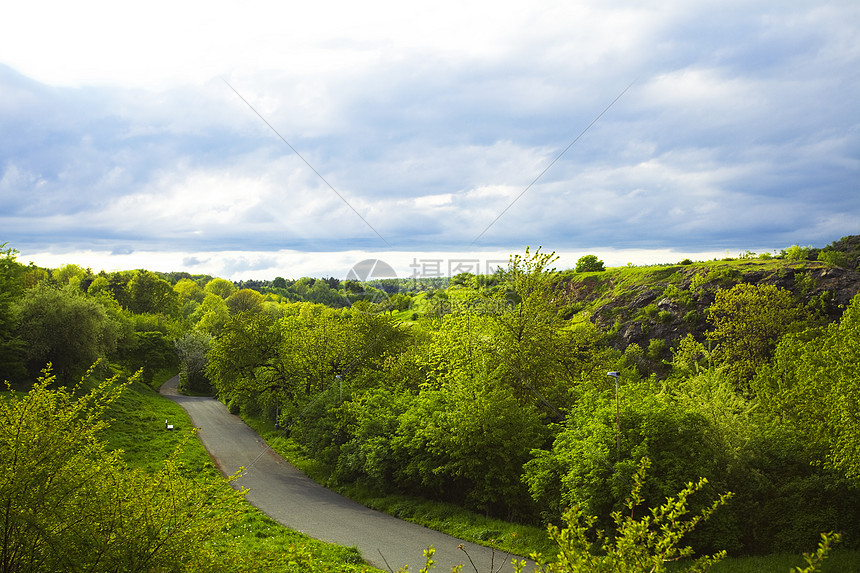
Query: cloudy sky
point(254, 140)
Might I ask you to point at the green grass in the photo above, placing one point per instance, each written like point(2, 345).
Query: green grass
point(255, 542)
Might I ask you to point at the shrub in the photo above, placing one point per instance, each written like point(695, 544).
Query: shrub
point(796, 253)
point(835, 258)
point(71, 505)
point(450, 442)
point(644, 544)
point(590, 464)
point(656, 348)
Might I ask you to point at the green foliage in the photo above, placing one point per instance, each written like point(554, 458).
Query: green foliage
point(638, 545)
point(696, 282)
point(689, 356)
point(154, 351)
point(590, 463)
point(796, 253)
point(191, 349)
point(589, 264)
point(451, 439)
point(656, 348)
point(834, 258)
point(506, 366)
point(64, 327)
point(244, 361)
point(212, 314)
point(245, 300)
point(70, 505)
point(11, 286)
point(813, 382)
point(747, 322)
point(531, 347)
point(148, 293)
point(370, 422)
point(220, 287)
point(685, 297)
point(782, 501)
point(814, 560)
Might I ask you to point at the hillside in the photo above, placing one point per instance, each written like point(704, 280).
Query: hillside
point(640, 305)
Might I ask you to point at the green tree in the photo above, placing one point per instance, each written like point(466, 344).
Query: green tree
point(813, 383)
point(11, 289)
point(149, 293)
point(188, 290)
point(595, 453)
point(151, 351)
point(71, 505)
point(796, 253)
point(245, 300)
point(221, 287)
point(70, 274)
point(747, 322)
point(449, 443)
point(64, 327)
point(542, 356)
point(117, 283)
point(212, 315)
point(244, 362)
point(192, 348)
point(589, 264)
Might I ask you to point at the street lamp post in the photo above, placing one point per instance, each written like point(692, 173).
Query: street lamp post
point(617, 375)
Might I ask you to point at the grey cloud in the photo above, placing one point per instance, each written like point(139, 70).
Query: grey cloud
point(742, 128)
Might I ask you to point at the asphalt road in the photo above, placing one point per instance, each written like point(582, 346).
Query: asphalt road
point(292, 499)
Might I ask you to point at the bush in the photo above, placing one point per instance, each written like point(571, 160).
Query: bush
point(835, 258)
point(656, 348)
point(467, 443)
point(796, 253)
point(588, 468)
point(71, 505)
point(647, 543)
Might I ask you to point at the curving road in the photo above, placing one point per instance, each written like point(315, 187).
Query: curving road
point(291, 498)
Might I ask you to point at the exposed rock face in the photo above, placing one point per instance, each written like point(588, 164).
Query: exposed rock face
point(653, 309)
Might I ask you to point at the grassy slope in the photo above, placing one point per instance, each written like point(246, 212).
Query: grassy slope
point(256, 542)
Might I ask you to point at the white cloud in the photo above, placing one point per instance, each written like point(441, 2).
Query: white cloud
point(429, 121)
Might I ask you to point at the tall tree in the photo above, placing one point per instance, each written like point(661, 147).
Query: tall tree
point(748, 320)
point(11, 288)
point(221, 287)
point(149, 293)
point(64, 327)
point(245, 300)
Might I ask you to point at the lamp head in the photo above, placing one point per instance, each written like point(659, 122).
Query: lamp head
point(614, 374)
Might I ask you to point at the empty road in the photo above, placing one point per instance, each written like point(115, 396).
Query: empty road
point(294, 500)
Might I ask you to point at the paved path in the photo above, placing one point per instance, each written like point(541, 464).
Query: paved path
point(291, 498)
